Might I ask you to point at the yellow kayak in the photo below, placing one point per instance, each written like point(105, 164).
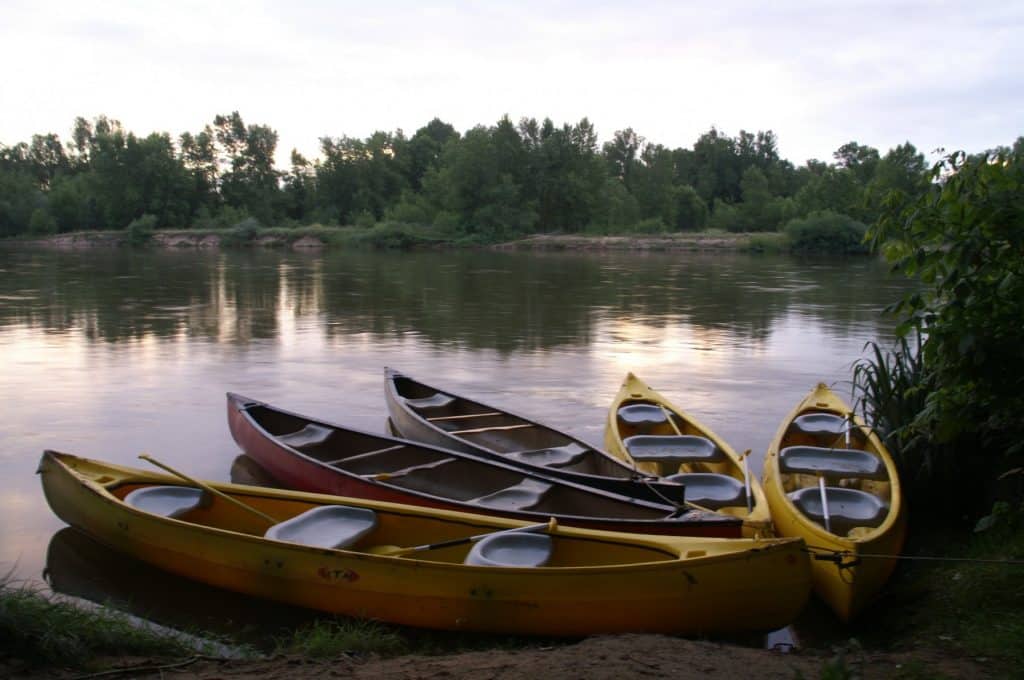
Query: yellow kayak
point(824, 451)
point(647, 431)
point(490, 574)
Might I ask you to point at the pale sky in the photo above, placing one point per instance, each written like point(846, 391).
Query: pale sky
point(820, 74)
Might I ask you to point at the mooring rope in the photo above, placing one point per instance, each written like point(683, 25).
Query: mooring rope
point(837, 555)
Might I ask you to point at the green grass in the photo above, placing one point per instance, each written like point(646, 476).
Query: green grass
point(329, 638)
point(969, 608)
point(43, 630)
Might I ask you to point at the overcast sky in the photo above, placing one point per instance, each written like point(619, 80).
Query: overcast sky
point(939, 74)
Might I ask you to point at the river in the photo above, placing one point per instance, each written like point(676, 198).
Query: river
point(109, 353)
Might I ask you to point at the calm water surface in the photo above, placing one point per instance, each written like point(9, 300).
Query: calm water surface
point(109, 354)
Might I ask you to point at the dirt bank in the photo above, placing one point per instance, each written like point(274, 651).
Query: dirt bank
point(168, 240)
point(542, 242)
point(691, 242)
point(621, 656)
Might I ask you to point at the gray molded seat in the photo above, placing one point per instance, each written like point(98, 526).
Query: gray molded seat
point(522, 496)
point(328, 526)
point(310, 435)
point(167, 501)
point(436, 400)
point(555, 456)
point(518, 549)
point(639, 415)
point(672, 449)
point(813, 460)
point(847, 508)
point(710, 489)
point(821, 424)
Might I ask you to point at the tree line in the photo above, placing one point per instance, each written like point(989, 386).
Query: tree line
point(489, 183)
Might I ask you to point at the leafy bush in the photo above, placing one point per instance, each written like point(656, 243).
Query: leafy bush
point(243, 233)
point(691, 210)
point(964, 241)
point(767, 242)
point(42, 222)
point(365, 220)
point(140, 230)
point(392, 236)
point(651, 225)
point(826, 232)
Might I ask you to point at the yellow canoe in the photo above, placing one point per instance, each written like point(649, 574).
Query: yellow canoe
point(588, 581)
point(646, 430)
point(823, 450)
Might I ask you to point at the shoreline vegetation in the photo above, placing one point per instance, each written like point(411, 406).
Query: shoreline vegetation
point(487, 185)
point(316, 237)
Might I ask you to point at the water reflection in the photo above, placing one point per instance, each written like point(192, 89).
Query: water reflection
point(77, 565)
point(503, 301)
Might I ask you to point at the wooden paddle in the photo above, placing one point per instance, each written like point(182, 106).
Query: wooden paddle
point(206, 487)
point(396, 551)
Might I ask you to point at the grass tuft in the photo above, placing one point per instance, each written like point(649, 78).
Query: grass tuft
point(328, 638)
point(44, 630)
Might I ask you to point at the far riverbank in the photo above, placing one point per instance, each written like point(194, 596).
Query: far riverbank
point(316, 238)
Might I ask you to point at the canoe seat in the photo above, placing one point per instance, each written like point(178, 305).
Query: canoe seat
point(436, 400)
point(555, 456)
point(166, 501)
point(522, 496)
point(711, 490)
point(511, 550)
point(672, 449)
point(813, 460)
point(847, 508)
point(327, 526)
point(310, 435)
point(820, 424)
point(642, 415)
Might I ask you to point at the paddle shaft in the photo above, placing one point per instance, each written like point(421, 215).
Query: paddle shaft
point(824, 504)
point(746, 480)
point(550, 525)
point(207, 487)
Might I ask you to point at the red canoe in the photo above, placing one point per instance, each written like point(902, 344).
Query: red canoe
point(313, 455)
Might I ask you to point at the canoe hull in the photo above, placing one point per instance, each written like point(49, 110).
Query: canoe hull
point(755, 523)
point(849, 586)
point(699, 596)
point(616, 478)
point(297, 471)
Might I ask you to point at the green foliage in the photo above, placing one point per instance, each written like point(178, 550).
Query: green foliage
point(892, 386)
point(140, 230)
point(42, 223)
point(691, 211)
point(49, 632)
point(328, 639)
point(951, 406)
point(389, 235)
point(964, 240)
point(651, 225)
point(243, 233)
point(491, 184)
point(767, 243)
point(826, 232)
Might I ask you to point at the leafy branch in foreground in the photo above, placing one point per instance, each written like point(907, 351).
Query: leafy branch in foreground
point(952, 404)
